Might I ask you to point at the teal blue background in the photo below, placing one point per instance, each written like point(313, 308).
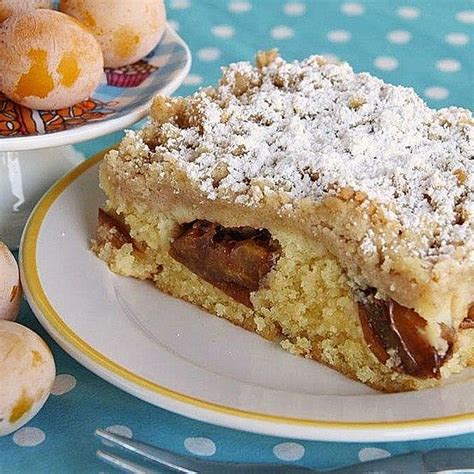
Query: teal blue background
point(417, 58)
point(69, 421)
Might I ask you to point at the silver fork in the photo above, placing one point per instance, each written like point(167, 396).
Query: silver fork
point(179, 462)
point(439, 461)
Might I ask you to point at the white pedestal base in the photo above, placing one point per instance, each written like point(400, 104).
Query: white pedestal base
point(24, 177)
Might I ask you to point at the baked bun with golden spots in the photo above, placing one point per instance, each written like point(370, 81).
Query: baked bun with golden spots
point(9, 7)
point(127, 31)
point(27, 373)
point(48, 60)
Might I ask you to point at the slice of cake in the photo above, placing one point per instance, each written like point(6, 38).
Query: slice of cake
point(319, 208)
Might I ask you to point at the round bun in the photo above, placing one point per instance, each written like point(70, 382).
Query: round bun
point(9, 7)
point(127, 31)
point(10, 288)
point(27, 374)
point(48, 60)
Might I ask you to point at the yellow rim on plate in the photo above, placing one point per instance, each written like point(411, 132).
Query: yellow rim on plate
point(37, 293)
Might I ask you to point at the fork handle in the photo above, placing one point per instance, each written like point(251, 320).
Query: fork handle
point(234, 468)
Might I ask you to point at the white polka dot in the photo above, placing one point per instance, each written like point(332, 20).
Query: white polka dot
point(352, 9)
point(240, 7)
point(209, 54)
point(386, 63)
point(438, 93)
point(457, 39)
point(409, 13)
point(63, 383)
point(448, 65)
point(174, 24)
point(282, 32)
point(288, 451)
point(200, 446)
point(180, 4)
point(28, 437)
point(192, 80)
point(294, 8)
point(369, 454)
point(399, 36)
point(120, 430)
point(339, 36)
point(223, 31)
point(466, 16)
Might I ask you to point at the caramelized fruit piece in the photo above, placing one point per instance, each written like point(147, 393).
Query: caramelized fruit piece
point(113, 230)
point(374, 324)
point(468, 322)
point(234, 259)
point(388, 326)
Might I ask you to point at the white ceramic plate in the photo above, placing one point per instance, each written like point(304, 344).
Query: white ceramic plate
point(175, 356)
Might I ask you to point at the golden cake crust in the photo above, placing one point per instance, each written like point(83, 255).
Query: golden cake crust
point(410, 238)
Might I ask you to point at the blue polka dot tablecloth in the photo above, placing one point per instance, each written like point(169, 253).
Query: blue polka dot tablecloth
point(427, 45)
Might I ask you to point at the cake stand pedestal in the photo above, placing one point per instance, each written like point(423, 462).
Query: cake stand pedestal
point(24, 177)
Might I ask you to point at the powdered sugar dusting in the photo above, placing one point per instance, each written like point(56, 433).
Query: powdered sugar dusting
point(309, 129)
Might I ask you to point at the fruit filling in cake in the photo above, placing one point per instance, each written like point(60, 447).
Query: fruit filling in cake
point(322, 209)
point(233, 259)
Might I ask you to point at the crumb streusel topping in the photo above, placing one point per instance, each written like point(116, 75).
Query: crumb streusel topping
point(312, 128)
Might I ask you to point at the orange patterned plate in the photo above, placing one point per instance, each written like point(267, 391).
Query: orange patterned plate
point(123, 98)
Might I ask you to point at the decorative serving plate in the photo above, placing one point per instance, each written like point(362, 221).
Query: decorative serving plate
point(123, 98)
